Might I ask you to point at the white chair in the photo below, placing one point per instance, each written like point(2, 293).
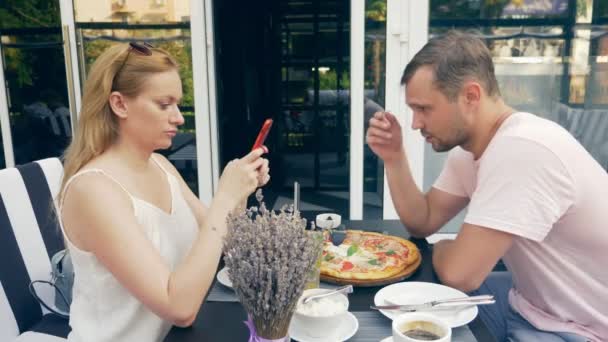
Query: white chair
point(29, 236)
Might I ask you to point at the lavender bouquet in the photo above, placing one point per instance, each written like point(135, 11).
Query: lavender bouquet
point(270, 255)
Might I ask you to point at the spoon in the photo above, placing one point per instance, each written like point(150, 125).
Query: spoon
point(343, 289)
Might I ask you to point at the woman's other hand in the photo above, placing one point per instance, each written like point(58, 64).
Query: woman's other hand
point(242, 176)
point(264, 173)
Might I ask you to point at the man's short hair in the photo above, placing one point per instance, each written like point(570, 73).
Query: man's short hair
point(455, 58)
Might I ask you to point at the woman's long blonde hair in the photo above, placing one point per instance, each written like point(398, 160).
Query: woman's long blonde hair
point(97, 125)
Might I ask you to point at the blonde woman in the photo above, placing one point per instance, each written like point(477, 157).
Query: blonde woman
point(143, 246)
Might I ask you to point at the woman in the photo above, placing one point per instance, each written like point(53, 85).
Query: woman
point(144, 248)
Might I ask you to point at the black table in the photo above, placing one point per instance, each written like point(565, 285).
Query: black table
point(223, 321)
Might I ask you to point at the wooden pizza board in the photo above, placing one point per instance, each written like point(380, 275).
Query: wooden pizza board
point(375, 282)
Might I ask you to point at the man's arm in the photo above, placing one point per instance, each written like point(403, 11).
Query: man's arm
point(422, 214)
point(465, 262)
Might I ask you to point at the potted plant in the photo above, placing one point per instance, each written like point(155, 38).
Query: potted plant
point(270, 255)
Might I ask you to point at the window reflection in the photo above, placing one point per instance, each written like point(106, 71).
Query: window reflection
point(600, 10)
point(164, 24)
point(549, 60)
point(32, 52)
point(132, 11)
point(2, 157)
point(491, 9)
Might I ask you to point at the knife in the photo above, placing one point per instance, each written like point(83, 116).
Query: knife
point(475, 300)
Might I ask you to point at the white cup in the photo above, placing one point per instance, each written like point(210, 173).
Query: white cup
point(420, 321)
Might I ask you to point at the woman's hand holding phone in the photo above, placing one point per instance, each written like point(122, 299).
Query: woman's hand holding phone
point(259, 141)
point(242, 176)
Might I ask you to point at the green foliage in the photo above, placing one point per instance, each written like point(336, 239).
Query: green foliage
point(21, 64)
point(29, 13)
point(375, 10)
point(328, 80)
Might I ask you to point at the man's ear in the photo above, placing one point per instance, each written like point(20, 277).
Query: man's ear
point(472, 92)
point(118, 104)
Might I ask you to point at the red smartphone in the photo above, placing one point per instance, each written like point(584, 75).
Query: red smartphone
point(259, 141)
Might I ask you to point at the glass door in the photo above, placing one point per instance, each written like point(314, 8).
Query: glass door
point(288, 60)
point(35, 89)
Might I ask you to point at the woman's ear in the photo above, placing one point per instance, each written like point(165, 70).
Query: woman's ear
point(118, 104)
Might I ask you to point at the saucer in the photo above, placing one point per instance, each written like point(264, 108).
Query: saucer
point(388, 339)
point(224, 278)
point(347, 327)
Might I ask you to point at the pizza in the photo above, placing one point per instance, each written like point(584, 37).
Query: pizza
point(368, 256)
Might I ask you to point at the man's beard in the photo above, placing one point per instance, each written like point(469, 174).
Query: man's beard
point(458, 139)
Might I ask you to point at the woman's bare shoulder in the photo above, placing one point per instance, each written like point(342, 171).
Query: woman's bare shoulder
point(89, 205)
point(166, 164)
point(92, 187)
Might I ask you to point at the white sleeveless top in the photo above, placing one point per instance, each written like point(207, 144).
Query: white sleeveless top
point(102, 309)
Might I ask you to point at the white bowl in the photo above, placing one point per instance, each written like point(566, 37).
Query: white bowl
point(321, 325)
point(423, 321)
point(328, 221)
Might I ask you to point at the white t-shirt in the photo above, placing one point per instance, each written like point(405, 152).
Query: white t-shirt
point(536, 181)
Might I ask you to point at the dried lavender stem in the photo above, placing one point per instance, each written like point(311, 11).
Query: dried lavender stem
point(270, 255)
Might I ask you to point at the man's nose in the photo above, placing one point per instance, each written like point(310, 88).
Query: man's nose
point(416, 121)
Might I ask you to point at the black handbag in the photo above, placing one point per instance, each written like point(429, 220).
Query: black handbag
point(62, 280)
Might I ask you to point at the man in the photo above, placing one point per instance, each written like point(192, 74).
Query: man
point(535, 198)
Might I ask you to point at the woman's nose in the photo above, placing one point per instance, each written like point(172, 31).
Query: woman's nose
point(177, 118)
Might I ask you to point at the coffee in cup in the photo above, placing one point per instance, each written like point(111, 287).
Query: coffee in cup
point(421, 330)
point(416, 327)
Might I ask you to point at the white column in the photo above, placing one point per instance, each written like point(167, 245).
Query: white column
point(211, 84)
point(407, 32)
point(357, 68)
point(5, 124)
point(67, 18)
point(205, 109)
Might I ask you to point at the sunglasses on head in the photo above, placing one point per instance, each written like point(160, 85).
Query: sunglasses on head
point(144, 49)
point(141, 48)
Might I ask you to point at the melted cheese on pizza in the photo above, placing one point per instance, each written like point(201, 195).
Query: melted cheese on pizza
point(359, 257)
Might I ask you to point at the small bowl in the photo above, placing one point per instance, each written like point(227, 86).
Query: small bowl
point(328, 221)
point(321, 325)
point(419, 321)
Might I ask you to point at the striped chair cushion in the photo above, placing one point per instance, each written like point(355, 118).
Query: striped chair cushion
point(29, 236)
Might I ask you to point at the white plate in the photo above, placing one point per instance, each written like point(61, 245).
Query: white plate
point(224, 278)
point(388, 339)
point(348, 327)
point(422, 292)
